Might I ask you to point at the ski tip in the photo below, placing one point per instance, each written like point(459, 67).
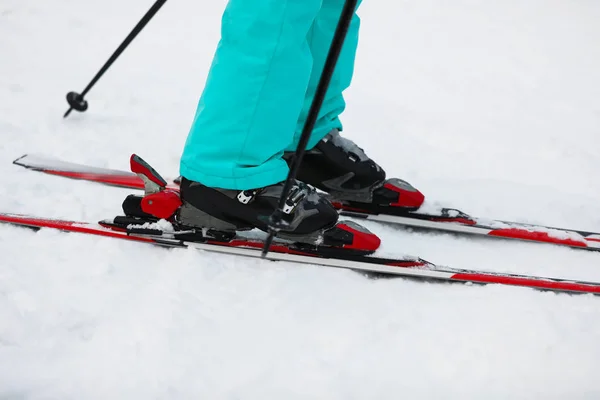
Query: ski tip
point(16, 162)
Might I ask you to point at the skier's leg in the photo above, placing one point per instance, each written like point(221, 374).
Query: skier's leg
point(232, 163)
point(333, 163)
point(319, 39)
point(254, 94)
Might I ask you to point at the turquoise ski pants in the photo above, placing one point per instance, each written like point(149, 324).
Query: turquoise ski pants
point(259, 90)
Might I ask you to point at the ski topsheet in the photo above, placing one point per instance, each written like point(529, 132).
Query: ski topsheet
point(106, 176)
point(440, 219)
point(405, 266)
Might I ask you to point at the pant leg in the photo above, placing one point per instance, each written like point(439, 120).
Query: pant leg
point(247, 114)
point(319, 39)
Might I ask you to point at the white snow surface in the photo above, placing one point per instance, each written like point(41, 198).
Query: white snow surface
point(489, 107)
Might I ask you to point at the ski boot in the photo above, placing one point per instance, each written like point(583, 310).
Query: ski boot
point(197, 212)
point(353, 181)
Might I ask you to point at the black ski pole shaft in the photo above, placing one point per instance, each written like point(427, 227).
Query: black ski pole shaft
point(76, 100)
point(276, 221)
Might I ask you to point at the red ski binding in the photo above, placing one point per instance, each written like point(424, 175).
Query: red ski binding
point(362, 238)
point(408, 195)
point(162, 205)
point(153, 182)
point(158, 200)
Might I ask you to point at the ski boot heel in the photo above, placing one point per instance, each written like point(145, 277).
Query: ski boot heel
point(161, 205)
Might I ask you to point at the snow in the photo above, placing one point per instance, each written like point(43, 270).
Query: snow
point(488, 107)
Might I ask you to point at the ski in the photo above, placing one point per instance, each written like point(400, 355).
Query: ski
point(438, 219)
point(53, 166)
point(405, 266)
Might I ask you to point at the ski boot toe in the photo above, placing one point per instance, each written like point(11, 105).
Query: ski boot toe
point(353, 181)
point(398, 193)
point(351, 235)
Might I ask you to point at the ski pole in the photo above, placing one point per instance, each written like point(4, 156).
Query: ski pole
point(76, 100)
point(276, 222)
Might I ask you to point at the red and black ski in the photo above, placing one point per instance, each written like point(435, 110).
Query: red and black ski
point(443, 219)
point(406, 266)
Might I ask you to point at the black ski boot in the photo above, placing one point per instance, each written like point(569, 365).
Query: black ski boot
point(336, 165)
point(306, 213)
point(196, 209)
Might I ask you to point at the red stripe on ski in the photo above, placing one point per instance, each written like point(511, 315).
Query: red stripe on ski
point(128, 181)
point(528, 282)
point(408, 264)
point(68, 226)
point(516, 233)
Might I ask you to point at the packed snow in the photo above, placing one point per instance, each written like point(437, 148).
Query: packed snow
point(489, 107)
